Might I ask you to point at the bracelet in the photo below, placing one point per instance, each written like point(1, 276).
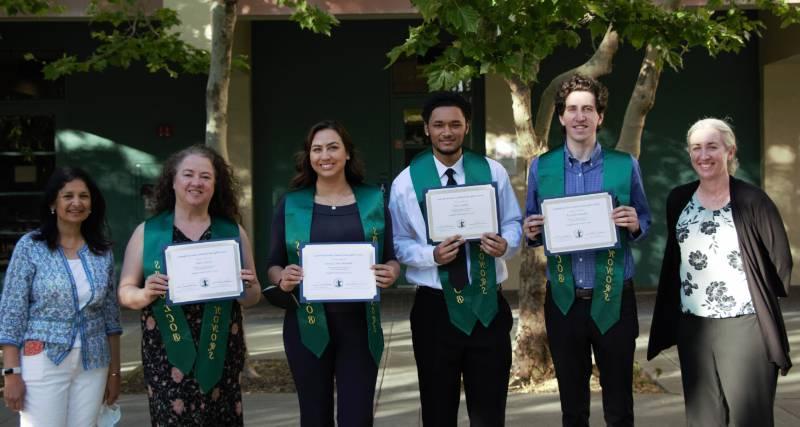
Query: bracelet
point(12, 371)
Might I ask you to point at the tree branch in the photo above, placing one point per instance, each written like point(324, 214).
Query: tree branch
point(641, 102)
point(598, 65)
point(521, 107)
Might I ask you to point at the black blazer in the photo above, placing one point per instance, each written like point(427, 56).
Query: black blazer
point(767, 262)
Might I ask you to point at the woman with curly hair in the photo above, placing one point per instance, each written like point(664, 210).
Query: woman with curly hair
point(726, 264)
point(59, 317)
point(196, 199)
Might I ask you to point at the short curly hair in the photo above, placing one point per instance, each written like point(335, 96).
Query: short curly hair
point(227, 192)
point(582, 83)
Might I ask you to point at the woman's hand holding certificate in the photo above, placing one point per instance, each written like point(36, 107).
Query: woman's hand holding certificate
point(340, 272)
point(204, 271)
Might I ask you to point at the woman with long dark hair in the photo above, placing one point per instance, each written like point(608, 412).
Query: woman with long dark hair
point(341, 342)
point(196, 199)
point(59, 317)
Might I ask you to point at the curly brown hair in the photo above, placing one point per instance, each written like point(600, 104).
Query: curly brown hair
point(224, 203)
point(306, 177)
point(582, 83)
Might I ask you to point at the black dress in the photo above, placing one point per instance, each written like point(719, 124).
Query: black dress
point(346, 361)
point(174, 396)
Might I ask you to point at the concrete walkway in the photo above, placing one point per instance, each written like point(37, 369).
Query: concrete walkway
point(397, 400)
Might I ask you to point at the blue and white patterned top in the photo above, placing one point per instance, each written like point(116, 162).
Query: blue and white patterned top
point(40, 302)
point(713, 283)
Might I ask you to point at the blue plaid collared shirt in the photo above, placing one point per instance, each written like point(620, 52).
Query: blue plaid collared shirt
point(586, 177)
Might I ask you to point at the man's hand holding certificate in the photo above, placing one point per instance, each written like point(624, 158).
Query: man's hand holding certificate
point(468, 211)
point(580, 222)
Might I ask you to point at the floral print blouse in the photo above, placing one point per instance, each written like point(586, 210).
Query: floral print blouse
point(713, 282)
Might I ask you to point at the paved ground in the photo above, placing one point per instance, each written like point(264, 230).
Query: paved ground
point(397, 400)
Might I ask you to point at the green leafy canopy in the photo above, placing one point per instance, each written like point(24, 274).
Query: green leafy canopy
point(28, 7)
point(127, 33)
point(512, 37)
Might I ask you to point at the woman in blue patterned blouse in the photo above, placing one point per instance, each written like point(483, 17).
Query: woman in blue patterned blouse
point(59, 317)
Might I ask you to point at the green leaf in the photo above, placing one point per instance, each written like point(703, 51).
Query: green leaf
point(427, 8)
point(394, 54)
point(463, 18)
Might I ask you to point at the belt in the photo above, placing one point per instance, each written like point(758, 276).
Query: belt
point(433, 291)
point(586, 293)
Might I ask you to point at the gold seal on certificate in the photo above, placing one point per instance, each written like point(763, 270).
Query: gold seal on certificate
point(338, 272)
point(466, 210)
point(204, 271)
point(579, 223)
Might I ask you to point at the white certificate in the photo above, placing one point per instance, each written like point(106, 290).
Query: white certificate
point(203, 271)
point(467, 210)
point(579, 223)
point(338, 272)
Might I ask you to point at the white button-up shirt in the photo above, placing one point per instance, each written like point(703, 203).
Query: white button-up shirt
point(410, 235)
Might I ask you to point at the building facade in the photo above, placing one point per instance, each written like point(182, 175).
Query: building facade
point(121, 124)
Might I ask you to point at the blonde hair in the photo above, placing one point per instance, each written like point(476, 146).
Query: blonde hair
point(725, 131)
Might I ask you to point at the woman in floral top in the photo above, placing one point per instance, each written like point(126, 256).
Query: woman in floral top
point(196, 199)
point(726, 263)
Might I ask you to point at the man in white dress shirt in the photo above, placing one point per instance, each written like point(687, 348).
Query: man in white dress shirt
point(460, 322)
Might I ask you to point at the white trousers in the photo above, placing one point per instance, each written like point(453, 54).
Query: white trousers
point(63, 395)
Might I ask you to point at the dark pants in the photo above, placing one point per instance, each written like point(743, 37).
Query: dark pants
point(443, 354)
point(727, 377)
point(572, 339)
point(347, 359)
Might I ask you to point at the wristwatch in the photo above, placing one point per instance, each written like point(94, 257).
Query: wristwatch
point(12, 371)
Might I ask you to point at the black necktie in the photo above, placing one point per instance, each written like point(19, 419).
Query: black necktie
point(457, 268)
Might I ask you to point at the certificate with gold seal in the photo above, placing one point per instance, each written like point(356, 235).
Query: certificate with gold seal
point(204, 271)
point(579, 223)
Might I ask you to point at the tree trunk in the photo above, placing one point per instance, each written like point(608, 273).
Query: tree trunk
point(598, 65)
point(531, 354)
point(641, 102)
point(531, 362)
point(521, 107)
point(223, 23)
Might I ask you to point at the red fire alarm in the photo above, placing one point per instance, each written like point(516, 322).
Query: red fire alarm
point(165, 131)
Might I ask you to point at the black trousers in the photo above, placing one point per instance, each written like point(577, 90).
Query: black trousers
point(443, 354)
point(727, 376)
point(572, 339)
point(347, 359)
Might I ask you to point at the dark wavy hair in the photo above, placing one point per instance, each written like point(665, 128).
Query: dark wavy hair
point(224, 203)
point(446, 99)
point(306, 177)
point(582, 83)
point(94, 228)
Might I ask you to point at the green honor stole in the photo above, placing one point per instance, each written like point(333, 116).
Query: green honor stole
point(478, 300)
point(609, 269)
point(311, 316)
point(175, 332)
